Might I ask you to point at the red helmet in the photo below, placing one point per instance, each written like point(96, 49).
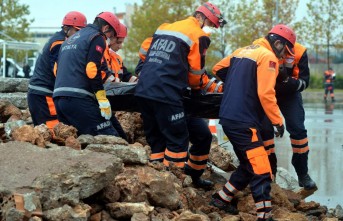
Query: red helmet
point(111, 19)
point(212, 13)
point(123, 31)
point(286, 33)
point(75, 18)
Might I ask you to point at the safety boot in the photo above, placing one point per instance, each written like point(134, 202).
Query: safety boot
point(306, 182)
point(202, 183)
point(218, 202)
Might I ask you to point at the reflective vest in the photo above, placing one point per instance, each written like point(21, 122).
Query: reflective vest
point(71, 77)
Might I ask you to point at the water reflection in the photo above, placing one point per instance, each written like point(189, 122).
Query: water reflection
point(325, 134)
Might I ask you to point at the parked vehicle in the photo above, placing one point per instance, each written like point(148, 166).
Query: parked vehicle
point(12, 69)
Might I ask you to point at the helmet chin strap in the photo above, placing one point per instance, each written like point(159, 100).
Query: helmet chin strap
point(203, 23)
point(276, 51)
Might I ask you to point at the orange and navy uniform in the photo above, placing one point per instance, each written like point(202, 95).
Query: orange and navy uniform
point(298, 71)
point(250, 74)
point(174, 59)
point(78, 78)
point(143, 51)
point(289, 99)
point(329, 78)
point(178, 49)
point(113, 70)
point(260, 95)
point(199, 134)
point(42, 83)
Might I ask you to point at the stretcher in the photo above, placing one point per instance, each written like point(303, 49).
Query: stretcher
point(121, 97)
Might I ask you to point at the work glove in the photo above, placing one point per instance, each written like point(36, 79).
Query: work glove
point(278, 130)
point(282, 76)
point(104, 104)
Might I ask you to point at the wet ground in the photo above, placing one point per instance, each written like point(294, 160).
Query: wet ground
point(324, 123)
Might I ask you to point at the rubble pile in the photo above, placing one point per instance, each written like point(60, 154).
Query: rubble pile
point(57, 175)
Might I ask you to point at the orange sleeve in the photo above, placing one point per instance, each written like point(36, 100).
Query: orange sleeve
point(144, 48)
point(224, 63)
point(196, 76)
point(267, 71)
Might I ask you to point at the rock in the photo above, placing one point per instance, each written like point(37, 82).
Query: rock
point(188, 215)
point(13, 85)
point(339, 212)
point(126, 210)
point(280, 198)
point(27, 133)
point(284, 214)
point(140, 217)
point(73, 175)
point(146, 183)
point(285, 180)
point(221, 158)
point(44, 131)
point(66, 212)
point(107, 139)
point(305, 206)
point(62, 131)
point(18, 99)
point(129, 155)
point(73, 143)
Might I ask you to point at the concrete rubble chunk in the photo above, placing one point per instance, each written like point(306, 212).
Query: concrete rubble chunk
point(13, 85)
point(146, 183)
point(58, 174)
point(126, 210)
point(18, 99)
point(222, 158)
point(66, 212)
point(129, 155)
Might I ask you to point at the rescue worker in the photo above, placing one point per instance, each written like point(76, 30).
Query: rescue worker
point(113, 70)
point(42, 82)
point(116, 71)
point(79, 93)
point(174, 61)
point(293, 78)
point(329, 78)
point(249, 95)
point(200, 135)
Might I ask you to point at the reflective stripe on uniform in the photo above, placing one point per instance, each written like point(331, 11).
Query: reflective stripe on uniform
point(38, 88)
point(198, 72)
point(142, 51)
point(76, 90)
point(179, 35)
point(230, 188)
point(217, 87)
point(224, 196)
point(209, 84)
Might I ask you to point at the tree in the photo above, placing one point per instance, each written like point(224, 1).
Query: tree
point(324, 25)
point(247, 20)
point(149, 16)
point(13, 23)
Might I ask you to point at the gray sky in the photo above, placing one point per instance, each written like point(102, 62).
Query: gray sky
point(50, 14)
